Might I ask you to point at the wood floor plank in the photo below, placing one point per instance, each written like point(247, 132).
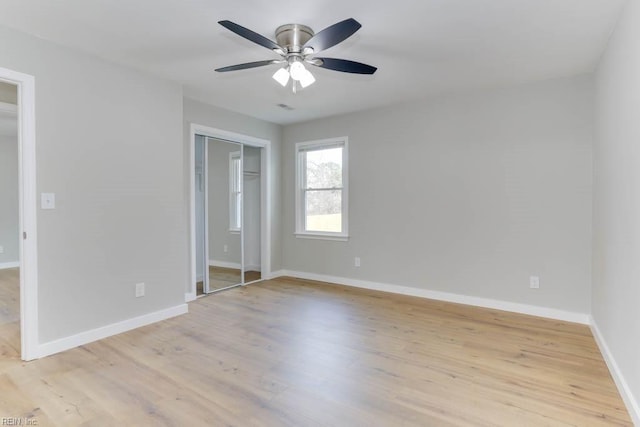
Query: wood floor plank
point(292, 352)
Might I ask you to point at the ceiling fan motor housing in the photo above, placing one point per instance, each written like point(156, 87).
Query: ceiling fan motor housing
point(293, 36)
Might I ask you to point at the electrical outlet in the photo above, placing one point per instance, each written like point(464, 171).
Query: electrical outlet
point(139, 290)
point(226, 248)
point(356, 261)
point(47, 201)
point(534, 282)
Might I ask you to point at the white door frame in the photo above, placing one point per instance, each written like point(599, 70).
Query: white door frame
point(27, 208)
point(265, 196)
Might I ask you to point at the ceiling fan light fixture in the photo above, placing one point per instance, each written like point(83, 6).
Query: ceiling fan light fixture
point(281, 76)
point(295, 44)
point(307, 79)
point(297, 70)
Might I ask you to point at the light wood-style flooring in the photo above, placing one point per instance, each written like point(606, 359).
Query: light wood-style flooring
point(290, 352)
point(9, 316)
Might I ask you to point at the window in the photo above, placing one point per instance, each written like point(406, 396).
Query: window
point(321, 189)
point(235, 191)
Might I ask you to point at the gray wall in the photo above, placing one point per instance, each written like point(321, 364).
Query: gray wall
point(9, 209)
point(218, 192)
point(207, 115)
point(8, 93)
point(616, 207)
point(464, 194)
point(109, 144)
point(9, 216)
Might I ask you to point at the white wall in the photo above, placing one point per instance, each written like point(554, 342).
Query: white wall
point(9, 217)
point(208, 115)
point(109, 144)
point(616, 207)
point(466, 194)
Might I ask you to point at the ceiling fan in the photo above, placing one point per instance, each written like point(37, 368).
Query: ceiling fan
point(296, 44)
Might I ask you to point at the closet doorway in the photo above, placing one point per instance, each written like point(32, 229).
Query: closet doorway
point(9, 223)
point(19, 255)
point(229, 210)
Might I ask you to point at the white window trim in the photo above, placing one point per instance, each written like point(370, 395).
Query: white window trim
point(234, 155)
point(299, 199)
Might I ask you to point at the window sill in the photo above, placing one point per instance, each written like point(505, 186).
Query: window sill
point(231, 231)
point(314, 236)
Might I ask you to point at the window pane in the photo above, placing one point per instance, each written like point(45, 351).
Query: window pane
point(235, 193)
point(237, 210)
point(324, 210)
point(237, 175)
point(324, 168)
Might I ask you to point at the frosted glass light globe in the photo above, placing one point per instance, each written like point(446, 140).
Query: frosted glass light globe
point(297, 70)
point(281, 76)
point(307, 79)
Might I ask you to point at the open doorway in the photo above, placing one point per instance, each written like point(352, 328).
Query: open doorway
point(20, 282)
point(251, 213)
point(9, 224)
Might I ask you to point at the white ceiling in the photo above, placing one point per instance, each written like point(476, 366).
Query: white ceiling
point(421, 47)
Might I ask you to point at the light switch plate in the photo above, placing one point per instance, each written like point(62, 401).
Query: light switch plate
point(139, 290)
point(534, 282)
point(48, 200)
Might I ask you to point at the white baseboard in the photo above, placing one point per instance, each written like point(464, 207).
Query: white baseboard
point(82, 338)
point(224, 264)
point(532, 310)
point(274, 274)
point(13, 264)
point(623, 387)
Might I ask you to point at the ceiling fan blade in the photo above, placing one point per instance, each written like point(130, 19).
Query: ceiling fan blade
point(250, 35)
point(343, 65)
point(333, 35)
point(247, 65)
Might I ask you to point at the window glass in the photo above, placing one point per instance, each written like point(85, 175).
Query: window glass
point(321, 201)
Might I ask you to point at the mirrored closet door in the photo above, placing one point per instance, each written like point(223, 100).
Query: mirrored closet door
point(224, 214)
point(228, 217)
